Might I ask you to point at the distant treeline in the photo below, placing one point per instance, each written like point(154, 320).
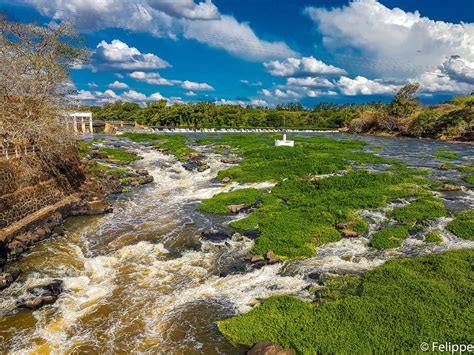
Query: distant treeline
point(207, 114)
point(404, 115)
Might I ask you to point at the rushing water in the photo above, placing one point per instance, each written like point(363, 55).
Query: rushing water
point(140, 279)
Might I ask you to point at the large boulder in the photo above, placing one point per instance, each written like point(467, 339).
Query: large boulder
point(268, 348)
point(8, 277)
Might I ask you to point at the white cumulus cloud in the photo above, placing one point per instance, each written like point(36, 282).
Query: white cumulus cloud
point(153, 78)
point(310, 81)
point(118, 85)
point(397, 43)
point(117, 55)
point(301, 66)
point(459, 69)
point(363, 86)
point(188, 9)
point(191, 85)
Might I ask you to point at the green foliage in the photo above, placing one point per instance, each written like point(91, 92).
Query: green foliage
point(419, 210)
point(175, 144)
point(446, 153)
point(218, 204)
point(404, 103)
point(390, 237)
point(463, 225)
point(119, 156)
point(336, 288)
point(467, 168)
point(398, 306)
point(424, 124)
point(84, 147)
point(433, 238)
point(469, 179)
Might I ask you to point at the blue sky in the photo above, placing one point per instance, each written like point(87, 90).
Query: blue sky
point(265, 52)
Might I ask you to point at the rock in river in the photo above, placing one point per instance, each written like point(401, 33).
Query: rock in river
point(237, 208)
point(215, 237)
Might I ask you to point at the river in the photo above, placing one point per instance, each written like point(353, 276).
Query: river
point(141, 279)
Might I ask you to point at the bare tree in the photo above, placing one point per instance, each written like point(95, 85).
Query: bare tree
point(35, 86)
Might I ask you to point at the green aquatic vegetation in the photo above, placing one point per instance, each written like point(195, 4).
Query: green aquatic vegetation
point(120, 156)
point(433, 238)
point(420, 210)
point(467, 168)
point(336, 288)
point(398, 306)
point(300, 214)
point(463, 225)
point(84, 147)
point(469, 179)
point(446, 154)
point(390, 237)
point(175, 144)
point(218, 204)
point(446, 165)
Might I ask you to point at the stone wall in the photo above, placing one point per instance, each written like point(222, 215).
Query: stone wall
point(29, 183)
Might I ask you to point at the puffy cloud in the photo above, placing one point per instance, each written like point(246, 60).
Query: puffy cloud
point(459, 70)
point(399, 43)
point(188, 9)
point(236, 38)
point(438, 82)
point(301, 66)
point(310, 81)
point(152, 78)
point(92, 85)
point(266, 92)
point(250, 84)
point(286, 94)
point(319, 93)
point(118, 85)
point(166, 18)
point(118, 55)
point(190, 93)
point(100, 98)
point(191, 85)
point(363, 86)
point(258, 103)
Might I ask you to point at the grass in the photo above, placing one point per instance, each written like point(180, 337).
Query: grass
point(463, 225)
point(393, 309)
point(119, 156)
point(446, 154)
point(84, 148)
point(390, 237)
point(419, 211)
point(433, 238)
point(97, 168)
point(174, 144)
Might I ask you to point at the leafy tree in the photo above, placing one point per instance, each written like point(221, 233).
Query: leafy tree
point(404, 103)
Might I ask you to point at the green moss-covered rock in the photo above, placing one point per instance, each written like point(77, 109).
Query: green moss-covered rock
point(419, 210)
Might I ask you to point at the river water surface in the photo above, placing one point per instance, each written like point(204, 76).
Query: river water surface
point(141, 279)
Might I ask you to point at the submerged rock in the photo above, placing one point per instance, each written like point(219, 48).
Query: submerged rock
point(215, 237)
point(268, 348)
point(42, 295)
point(252, 234)
point(8, 277)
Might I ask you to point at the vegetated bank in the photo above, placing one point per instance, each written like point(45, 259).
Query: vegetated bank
point(404, 115)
